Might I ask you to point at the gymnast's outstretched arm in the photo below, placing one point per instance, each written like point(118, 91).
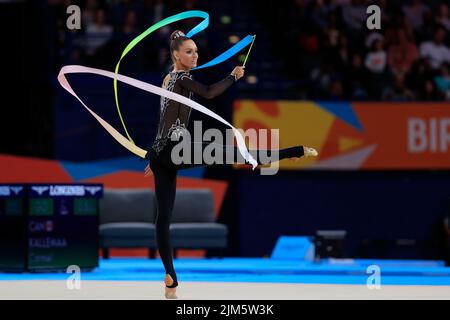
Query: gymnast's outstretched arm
point(213, 90)
point(206, 91)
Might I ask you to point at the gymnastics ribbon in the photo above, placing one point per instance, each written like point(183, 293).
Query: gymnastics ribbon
point(149, 88)
point(200, 27)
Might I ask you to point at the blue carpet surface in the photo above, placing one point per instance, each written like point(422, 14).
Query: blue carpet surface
point(331, 271)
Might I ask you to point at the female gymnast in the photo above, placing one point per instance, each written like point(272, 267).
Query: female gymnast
point(174, 118)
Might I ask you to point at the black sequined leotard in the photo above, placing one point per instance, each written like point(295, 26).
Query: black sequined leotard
point(174, 116)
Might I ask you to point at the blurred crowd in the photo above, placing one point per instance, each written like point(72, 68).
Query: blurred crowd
point(342, 59)
point(108, 26)
point(324, 44)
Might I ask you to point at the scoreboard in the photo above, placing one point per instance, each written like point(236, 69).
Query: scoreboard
point(48, 227)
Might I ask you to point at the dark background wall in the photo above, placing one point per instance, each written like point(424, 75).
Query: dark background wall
point(379, 211)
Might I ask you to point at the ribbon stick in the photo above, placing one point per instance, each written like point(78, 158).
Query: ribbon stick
point(250, 49)
point(149, 88)
point(198, 28)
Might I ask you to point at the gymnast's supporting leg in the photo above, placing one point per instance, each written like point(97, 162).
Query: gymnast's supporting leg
point(165, 190)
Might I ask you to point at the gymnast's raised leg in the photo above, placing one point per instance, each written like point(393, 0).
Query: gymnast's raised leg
point(165, 172)
point(228, 154)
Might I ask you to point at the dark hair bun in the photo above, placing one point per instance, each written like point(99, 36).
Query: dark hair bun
point(177, 34)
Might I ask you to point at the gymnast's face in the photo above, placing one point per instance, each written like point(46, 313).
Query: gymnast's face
point(186, 55)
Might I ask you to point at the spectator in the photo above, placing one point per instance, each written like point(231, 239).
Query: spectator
point(153, 11)
point(322, 77)
point(420, 80)
point(97, 33)
point(163, 55)
point(428, 27)
point(442, 81)
point(398, 91)
point(295, 13)
point(375, 60)
point(354, 15)
point(372, 37)
point(340, 56)
point(129, 26)
point(402, 53)
point(436, 51)
point(120, 9)
point(356, 79)
point(430, 92)
point(414, 13)
point(336, 91)
point(399, 21)
point(332, 32)
point(188, 4)
point(443, 16)
point(309, 41)
point(89, 12)
point(318, 13)
point(385, 13)
point(160, 11)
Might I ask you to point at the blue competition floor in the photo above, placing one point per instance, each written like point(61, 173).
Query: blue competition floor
point(393, 272)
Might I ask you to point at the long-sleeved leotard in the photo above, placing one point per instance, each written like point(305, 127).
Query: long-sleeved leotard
point(174, 118)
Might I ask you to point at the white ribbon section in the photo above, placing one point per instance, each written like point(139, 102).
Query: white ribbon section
point(149, 88)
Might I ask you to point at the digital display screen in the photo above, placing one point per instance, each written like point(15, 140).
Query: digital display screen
point(49, 227)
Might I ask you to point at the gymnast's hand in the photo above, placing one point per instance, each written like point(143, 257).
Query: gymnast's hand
point(238, 72)
point(148, 171)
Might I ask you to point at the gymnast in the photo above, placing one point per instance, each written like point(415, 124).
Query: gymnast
point(173, 122)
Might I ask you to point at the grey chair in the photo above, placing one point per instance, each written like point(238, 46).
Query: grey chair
point(194, 224)
point(127, 219)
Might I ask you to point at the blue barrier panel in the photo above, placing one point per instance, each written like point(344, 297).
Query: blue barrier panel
point(294, 248)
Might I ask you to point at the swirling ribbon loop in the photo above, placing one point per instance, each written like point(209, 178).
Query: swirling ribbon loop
point(128, 143)
point(149, 88)
point(198, 28)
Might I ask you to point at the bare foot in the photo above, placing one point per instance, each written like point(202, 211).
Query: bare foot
point(310, 152)
point(170, 293)
point(307, 152)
